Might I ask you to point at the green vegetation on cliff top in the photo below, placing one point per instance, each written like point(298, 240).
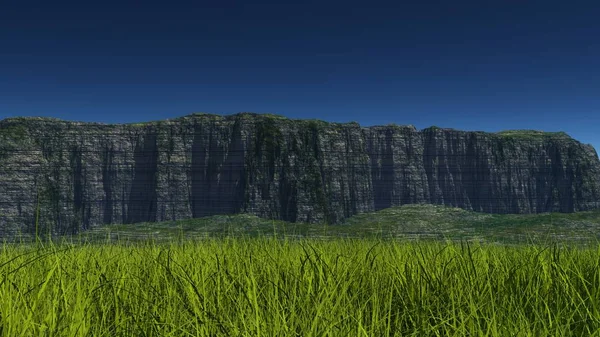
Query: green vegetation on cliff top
point(17, 131)
point(516, 134)
point(527, 134)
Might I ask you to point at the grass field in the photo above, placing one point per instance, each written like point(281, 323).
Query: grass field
point(245, 278)
point(269, 287)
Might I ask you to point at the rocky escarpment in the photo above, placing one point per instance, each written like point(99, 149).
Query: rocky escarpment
point(71, 176)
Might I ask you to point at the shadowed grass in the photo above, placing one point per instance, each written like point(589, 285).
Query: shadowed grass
point(410, 222)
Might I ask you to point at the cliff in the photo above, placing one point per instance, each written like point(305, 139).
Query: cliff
point(72, 175)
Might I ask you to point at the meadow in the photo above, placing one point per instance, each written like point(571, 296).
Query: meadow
point(296, 281)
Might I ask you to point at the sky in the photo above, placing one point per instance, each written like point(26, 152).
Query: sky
point(469, 65)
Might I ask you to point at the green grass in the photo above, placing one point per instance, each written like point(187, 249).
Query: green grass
point(532, 134)
point(407, 222)
point(267, 287)
point(241, 275)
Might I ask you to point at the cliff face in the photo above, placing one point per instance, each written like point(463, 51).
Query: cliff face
point(76, 175)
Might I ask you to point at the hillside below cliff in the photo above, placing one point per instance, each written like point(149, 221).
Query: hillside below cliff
point(73, 175)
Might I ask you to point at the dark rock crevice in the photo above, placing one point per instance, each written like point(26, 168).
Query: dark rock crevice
point(142, 205)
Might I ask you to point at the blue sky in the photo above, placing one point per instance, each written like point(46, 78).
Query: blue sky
point(471, 65)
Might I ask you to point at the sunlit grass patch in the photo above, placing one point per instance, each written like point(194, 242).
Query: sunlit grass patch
point(258, 286)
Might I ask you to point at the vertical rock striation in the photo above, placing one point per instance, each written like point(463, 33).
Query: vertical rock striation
point(72, 176)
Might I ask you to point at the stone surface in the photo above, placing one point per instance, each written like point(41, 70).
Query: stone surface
point(72, 175)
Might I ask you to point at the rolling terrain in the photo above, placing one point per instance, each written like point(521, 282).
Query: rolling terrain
point(404, 223)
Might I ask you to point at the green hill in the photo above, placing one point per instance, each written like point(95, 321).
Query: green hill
point(408, 222)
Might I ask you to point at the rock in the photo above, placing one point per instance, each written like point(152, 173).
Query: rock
point(73, 175)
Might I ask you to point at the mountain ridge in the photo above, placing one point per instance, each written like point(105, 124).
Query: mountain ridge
point(86, 174)
point(197, 114)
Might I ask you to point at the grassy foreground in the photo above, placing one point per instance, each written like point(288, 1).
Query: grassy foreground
point(270, 287)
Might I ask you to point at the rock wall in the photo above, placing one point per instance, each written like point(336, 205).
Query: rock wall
point(71, 176)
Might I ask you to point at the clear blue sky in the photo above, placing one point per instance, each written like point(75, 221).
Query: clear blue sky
point(472, 65)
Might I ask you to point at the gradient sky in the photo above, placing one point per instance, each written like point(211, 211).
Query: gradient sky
point(471, 65)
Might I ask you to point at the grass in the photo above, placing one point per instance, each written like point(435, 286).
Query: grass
point(532, 134)
point(407, 222)
point(253, 277)
point(269, 287)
